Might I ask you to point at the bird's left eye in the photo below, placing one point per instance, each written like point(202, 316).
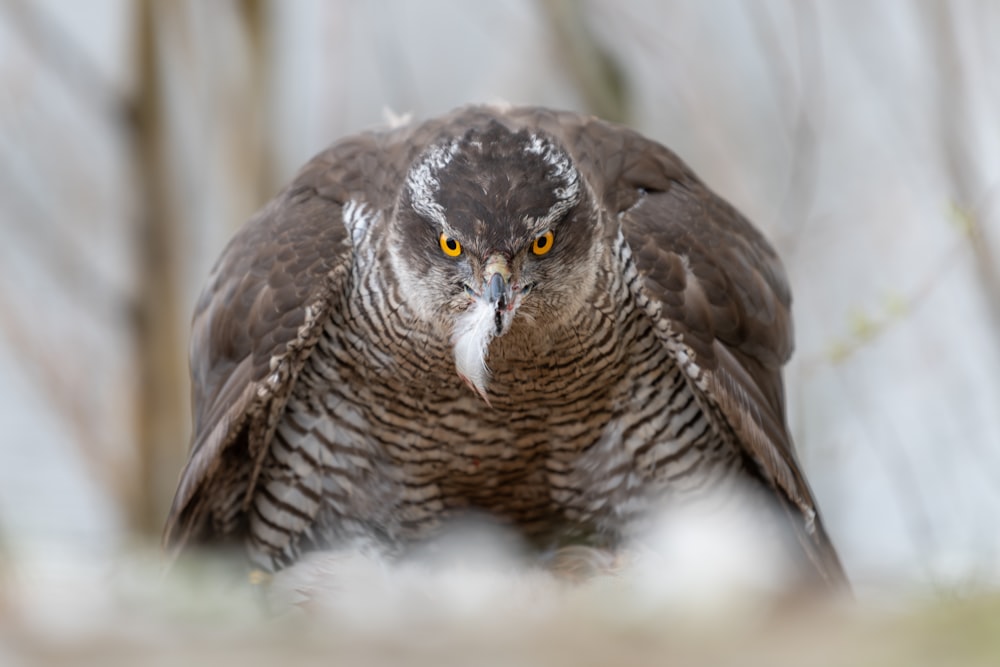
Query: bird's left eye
point(542, 244)
point(450, 246)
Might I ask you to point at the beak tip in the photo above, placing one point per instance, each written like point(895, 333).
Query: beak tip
point(496, 290)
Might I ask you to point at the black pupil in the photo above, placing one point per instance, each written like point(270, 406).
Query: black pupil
point(451, 244)
point(541, 241)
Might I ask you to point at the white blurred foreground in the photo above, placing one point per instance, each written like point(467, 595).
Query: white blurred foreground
point(697, 562)
point(699, 587)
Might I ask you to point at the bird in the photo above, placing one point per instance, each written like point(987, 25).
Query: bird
point(531, 314)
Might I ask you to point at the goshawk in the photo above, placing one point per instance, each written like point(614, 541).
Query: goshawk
point(532, 314)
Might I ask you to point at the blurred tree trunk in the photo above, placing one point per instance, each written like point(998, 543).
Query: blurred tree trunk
point(595, 72)
point(156, 318)
point(227, 103)
point(263, 181)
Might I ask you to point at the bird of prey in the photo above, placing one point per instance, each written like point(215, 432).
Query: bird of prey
point(528, 313)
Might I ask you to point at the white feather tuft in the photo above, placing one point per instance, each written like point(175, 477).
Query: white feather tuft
point(396, 119)
point(471, 337)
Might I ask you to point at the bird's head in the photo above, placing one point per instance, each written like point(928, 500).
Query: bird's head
point(494, 229)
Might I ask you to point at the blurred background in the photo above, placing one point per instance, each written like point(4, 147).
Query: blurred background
point(137, 135)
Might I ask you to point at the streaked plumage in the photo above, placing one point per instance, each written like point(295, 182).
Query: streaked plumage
point(354, 381)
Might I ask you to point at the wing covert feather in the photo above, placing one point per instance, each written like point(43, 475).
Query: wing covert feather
point(723, 290)
point(256, 322)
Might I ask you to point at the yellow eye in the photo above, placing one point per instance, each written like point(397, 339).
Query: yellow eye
point(450, 246)
point(542, 244)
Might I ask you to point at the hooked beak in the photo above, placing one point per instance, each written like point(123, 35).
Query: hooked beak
point(498, 293)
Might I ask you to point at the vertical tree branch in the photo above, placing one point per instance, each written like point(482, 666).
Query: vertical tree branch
point(159, 410)
point(263, 181)
point(598, 77)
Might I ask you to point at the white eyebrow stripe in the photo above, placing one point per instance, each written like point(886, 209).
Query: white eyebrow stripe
point(424, 184)
point(561, 169)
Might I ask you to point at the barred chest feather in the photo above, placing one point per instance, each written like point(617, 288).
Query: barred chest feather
point(587, 426)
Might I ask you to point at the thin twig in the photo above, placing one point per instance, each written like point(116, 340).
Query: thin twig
point(868, 330)
point(35, 229)
point(971, 193)
point(806, 95)
point(56, 48)
point(62, 381)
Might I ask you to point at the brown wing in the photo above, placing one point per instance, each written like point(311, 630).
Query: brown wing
point(258, 319)
point(724, 292)
point(259, 316)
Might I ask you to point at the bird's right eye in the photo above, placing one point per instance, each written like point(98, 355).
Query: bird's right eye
point(450, 246)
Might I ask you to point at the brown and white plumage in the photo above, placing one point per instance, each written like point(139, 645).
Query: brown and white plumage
point(352, 381)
